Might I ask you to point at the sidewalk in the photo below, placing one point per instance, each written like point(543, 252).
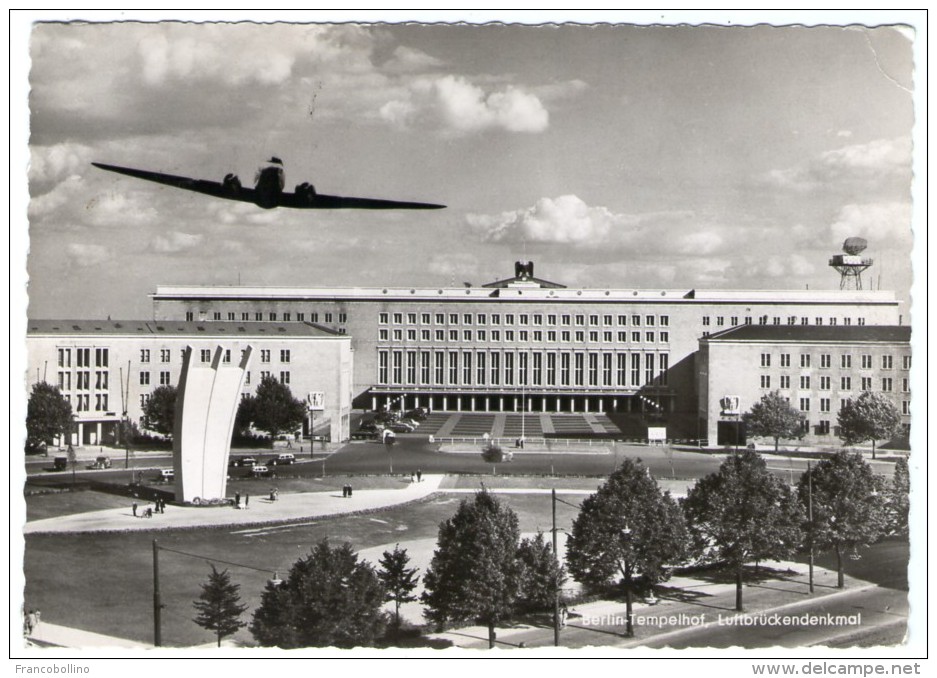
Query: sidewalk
point(53, 635)
point(287, 508)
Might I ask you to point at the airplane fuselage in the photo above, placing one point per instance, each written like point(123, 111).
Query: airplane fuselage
point(269, 186)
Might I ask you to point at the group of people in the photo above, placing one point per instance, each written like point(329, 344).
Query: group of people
point(346, 490)
point(247, 500)
point(159, 506)
point(274, 494)
point(419, 476)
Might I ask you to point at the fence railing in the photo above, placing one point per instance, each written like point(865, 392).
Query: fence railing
point(559, 443)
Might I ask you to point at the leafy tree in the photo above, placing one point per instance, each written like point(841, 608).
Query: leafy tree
point(219, 607)
point(273, 408)
point(628, 528)
point(159, 413)
point(48, 414)
point(848, 506)
point(398, 579)
point(328, 599)
point(869, 417)
point(742, 513)
point(493, 454)
point(541, 574)
point(773, 417)
point(899, 499)
point(475, 574)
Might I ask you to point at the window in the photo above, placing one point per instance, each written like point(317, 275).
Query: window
point(665, 337)
point(328, 317)
point(453, 335)
point(440, 335)
point(383, 334)
point(607, 336)
point(144, 379)
point(785, 381)
point(284, 355)
point(906, 407)
point(189, 316)
point(824, 404)
point(466, 367)
point(264, 374)
point(551, 319)
point(648, 368)
point(825, 361)
point(622, 337)
point(495, 369)
point(905, 362)
point(606, 320)
point(622, 370)
point(265, 355)
point(649, 337)
point(481, 319)
point(622, 320)
point(480, 369)
point(665, 321)
point(226, 358)
point(206, 355)
point(887, 362)
point(805, 404)
point(285, 378)
point(792, 320)
point(805, 382)
point(467, 319)
point(382, 318)
point(300, 317)
point(424, 335)
point(635, 369)
point(396, 367)
point(636, 320)
point(411, 367)
point(440, 318)
point(453, 367)
point(551, 369)
point(564, 369)
point(439, 367)
point(832, 321)
point(720, 321)
point(425, 318)
point(144, 399)
point(65, 357)
point(765, 381)
point(823, 428)
point(509, 335)
point(566, 319)
point(258, 316)
point(580, 320)
point(818, 320)
point(785, 360)
point(776, 320)
point(508, 318)
point(825, 383)
point(579, 362)
point(564, 336)
point(424, 366)
point(845, 361)
point(496, 335)
point(272, 316)
point(905, 385)
point(845, 383)
point(164, 355)
point(495, 318)
point(766, 360)
point(144, 355)
point(636, 337)
point(164, 378)
point(866, 383)
point(580, 336)
point(286, 317)
point(411, 335)
point(538, 336)
point(705, 321)
point(523, 319)
point(508, 369)
point(593, 369)
point(411, 318)
point(522, 360)
point(866, 362)
point(100, 379)
point(805, 360)
point(216, 315)
point(314, 317)
point(100, 357)
point(886, 383)
point(593, 335)
point(398, 318)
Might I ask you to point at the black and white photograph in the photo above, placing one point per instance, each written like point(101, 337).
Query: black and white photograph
point(419, 337)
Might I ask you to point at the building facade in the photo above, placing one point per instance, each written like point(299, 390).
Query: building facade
point(105, 368)
point(816, 368)
point(525, 342)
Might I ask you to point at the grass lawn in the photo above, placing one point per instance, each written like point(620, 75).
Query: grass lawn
point(39, 506)
point(104, 582)
point(533, 482)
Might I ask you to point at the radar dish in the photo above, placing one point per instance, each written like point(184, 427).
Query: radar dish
point(855, 245)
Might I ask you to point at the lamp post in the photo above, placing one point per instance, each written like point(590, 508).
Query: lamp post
point(556, 587)
point(810, 520)
point(626, 535)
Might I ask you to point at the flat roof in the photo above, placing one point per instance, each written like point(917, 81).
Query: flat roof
point(815, 333)
point(520, 293)
point(179, 328)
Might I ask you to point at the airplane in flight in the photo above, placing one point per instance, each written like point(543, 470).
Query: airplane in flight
point(268, 190)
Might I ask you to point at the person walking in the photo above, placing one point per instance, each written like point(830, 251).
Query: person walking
point(419, 476)
point(134, 507)
point(247, 500)
point(237, 500)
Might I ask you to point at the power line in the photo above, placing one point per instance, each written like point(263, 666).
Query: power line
point(218, 560)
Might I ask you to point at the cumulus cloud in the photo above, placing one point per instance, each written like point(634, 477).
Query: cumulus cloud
point(460, 264)
point(176, 241)
point(566, 219)
point(49, 164)
point(82, 254)
point(873, 161)
point(407, 60)
point(454, 104)
point(886, 223)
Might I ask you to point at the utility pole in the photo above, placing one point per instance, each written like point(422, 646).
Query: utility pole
point(556, 587)
point(810, 518)
point(157, 605)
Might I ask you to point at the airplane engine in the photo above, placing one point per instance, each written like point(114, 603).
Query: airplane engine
point(307, 191)
point(231, 184)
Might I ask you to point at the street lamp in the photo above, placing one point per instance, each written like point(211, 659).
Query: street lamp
point(626, 535)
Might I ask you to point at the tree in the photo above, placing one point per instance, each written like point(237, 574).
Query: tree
point(742, 513)
point(48, 415)
point(869, 417)
point(628, 528)
point(494, 454)
point(273, 408)
point(474, 574)
point(328, 599)
point(398, 580)
point(848, 507)
point(159, 413)
point(773, 417)
point(219, 607)
point(898, 499)
point(541, 574)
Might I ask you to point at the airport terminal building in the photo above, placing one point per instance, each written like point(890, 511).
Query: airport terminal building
point(107, 367)
point(525, 343)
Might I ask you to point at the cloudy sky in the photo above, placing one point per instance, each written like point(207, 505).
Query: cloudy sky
point(623, 156)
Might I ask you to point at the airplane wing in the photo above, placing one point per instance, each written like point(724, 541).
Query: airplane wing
point(333, 202)
point(214, 188)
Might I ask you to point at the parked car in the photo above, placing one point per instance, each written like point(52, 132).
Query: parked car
point(419, 414)
point(60, 463)
point(402, 427)
point(243, 461)
point(259, 470)
point(100, 462)
point(167, 474)
point(282, 459)
point(369, 427)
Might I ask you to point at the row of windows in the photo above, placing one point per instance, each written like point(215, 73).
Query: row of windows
point(260, 316)
point(82, 357)
point(465, 368)
point(537, 336)
point(845, 383)
point(551, 319)
point(83, 380)
point(825, 405)
point(83, 402)
point(776, 320)
point(887, 362)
